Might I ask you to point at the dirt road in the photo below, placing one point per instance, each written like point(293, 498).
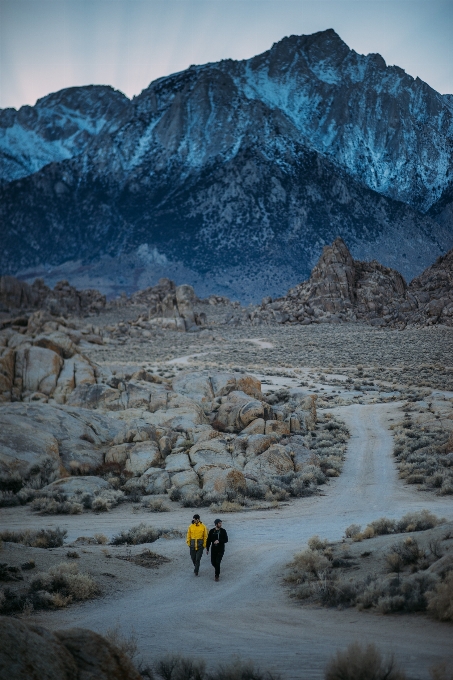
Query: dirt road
point(249, 613)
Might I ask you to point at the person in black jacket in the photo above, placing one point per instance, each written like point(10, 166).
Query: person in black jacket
point(217, 538)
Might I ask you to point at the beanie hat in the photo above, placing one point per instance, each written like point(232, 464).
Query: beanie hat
point(196, 516)
point(216, 521)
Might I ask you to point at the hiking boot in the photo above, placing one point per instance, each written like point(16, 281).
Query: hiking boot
point(216, 578)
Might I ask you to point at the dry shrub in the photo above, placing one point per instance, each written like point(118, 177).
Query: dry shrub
point(418, 521)
point(155, 505)
point(226, 506)
point(382, 526)
point(402, 554)
point(51, 506)
point(44, 538)
point(67, 582)
point(72, 554)
point(101, 539)
point(193, 500)
point(440, 601)
point(352, 530)
point(127, 644)
point(136, 535)
point(240, 670)
point(306, 565)
point(143, 534)
point(316, 543)
point(362, 663)
point(176, 667)
point(413, 521)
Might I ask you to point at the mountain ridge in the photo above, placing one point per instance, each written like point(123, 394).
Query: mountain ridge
point(250, 164)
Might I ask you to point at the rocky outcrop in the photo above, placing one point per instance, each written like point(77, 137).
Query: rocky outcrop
point(42, 366)
point(30, 652)
point(433, 293)
point(200, 434)
point(33, 436)
point(63, 299)
point(341, 289)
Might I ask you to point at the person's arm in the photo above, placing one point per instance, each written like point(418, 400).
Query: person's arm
point(189, 535)
point(205, 536)
point(225, 537)
point(209, 541)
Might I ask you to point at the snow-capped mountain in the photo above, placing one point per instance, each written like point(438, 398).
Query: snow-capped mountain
point(58, 127)
point(237, 172)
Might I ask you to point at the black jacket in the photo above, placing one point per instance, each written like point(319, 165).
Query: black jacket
point(217, 535)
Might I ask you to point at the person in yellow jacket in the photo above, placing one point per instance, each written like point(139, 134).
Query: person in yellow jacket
point(197, 535)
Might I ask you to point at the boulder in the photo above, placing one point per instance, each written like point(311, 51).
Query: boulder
point(76, 372)
point(132, 395)
point(215, 479)
point(275, 461)
point(250, 385)
point(255, 427)
point(118, 454)
point(29, 432)
point(185, 478)
point(195, 386)
point(24, 446)
point(185, 299)
point(156, 480)
point(257, 443)
point(238, 410)
point(58, 342)
point(96, 396)
point(177, 462)
point(29, 652)
point(182, 419)
point(75, 486)
point(223, 383)
point(277, 427)
point(204, 386)
point(37, 369)
point(7, 364)
point(208, 454)
point(142, 456)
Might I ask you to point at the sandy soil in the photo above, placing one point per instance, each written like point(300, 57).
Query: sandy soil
point(248, 612)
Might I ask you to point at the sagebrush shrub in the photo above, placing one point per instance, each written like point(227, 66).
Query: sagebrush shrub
point(51, 506)
point(316, 543)
point(418, 521)
point(440, 600)
point(136, 535)
point(66, 580)
point(358, 662)
point(44, 538)
point(352, 530)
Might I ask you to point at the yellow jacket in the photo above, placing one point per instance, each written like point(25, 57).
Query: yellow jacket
point(197, 533)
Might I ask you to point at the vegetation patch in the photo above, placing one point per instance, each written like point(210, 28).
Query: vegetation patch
point(408, 575)
point(147, 558)
point(142, 533)
point(423, 447)
point(53, 589)
point(44, 538)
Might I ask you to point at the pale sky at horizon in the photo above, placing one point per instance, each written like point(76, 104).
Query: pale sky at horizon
point(46, 45)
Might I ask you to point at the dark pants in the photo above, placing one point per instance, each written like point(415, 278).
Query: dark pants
point(216, 558)
point(196, 558)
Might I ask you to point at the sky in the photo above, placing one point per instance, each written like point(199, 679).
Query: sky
point(46, 45)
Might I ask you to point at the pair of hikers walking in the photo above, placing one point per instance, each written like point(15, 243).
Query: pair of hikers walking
point(198, 539)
